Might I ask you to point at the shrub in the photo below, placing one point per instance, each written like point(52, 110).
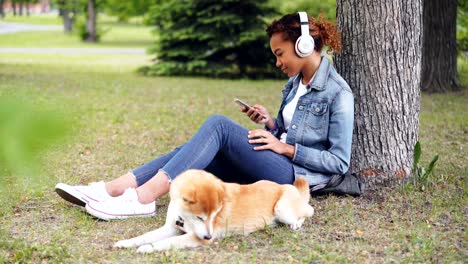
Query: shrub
point(212, 38)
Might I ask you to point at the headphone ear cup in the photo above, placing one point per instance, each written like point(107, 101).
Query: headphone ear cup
point(304, 46)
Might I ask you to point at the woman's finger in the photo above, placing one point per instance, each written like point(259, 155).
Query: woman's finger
point(258, 133)
point(262, 147)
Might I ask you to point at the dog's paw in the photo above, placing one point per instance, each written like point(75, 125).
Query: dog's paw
point(125, 244)
point(145, 249)
point(298, 224)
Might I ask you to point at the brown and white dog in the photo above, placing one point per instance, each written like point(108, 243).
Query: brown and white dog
point(203, 208)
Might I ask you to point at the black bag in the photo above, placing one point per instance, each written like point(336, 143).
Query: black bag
point(347, 184)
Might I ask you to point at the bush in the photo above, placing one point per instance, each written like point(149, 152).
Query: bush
point(82, 32)
point(212, 38)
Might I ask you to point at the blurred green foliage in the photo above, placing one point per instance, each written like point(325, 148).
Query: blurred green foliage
point(124, 10)
point(313, 8)
point(25, 131)
point(462, 26)
point(212, 38)
point(81, 29)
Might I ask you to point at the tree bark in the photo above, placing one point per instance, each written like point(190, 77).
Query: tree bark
point(91, 22)
point(381, 61)
point(439, 53)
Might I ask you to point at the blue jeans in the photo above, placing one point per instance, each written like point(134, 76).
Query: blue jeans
point(221, 147)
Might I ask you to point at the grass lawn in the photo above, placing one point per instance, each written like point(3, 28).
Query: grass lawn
point(116, 35)
point(121, 119)
point(42, 19)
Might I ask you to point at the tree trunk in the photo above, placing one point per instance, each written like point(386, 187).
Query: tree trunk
point(67, 20)
point(439, 52)
point(91, 23)
point(65, 12)
point(381, 61)
point(2, 12)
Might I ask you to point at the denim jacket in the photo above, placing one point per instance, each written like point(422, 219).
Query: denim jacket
point(321, 128)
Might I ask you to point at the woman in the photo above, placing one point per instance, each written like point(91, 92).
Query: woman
point(311, 136)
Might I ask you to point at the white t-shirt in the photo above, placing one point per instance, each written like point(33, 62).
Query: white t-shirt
point(288, 110)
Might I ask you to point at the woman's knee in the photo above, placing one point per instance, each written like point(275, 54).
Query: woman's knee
point(217, 120)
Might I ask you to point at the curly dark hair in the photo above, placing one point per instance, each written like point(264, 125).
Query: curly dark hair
point(324, 32)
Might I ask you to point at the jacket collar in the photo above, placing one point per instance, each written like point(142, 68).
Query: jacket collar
point(320, 78)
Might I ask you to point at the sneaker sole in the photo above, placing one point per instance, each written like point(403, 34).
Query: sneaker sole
point(107, 217)
point(70, 194)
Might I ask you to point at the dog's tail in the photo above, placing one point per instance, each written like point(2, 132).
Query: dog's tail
point(303, 187)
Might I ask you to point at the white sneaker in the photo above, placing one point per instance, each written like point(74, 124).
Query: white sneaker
point(81, 195)
point(121, 207)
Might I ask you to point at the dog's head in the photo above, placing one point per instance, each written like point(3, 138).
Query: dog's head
point(199, 195)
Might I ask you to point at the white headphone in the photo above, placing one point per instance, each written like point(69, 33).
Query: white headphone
point(305, 43)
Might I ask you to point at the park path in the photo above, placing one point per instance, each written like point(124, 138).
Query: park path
point(11, 28)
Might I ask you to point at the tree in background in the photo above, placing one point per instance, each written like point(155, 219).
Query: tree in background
point(211, 38)
point(462, 26)
point(91, 34)
point(124, 10)
point(18, 6)
point(68, 10)
point(72, 12)
point(87, 27)
point(314, 8)
point(439, 59)
point(2, 12)
point(381, 61)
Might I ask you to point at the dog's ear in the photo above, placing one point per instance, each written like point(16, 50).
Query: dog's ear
point(190, 197)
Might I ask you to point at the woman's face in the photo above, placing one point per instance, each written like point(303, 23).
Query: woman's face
point(286, 58)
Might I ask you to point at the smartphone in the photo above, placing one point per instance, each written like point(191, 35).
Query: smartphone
point(242, 103)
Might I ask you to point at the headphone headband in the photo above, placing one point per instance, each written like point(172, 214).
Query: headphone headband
point(304, 23)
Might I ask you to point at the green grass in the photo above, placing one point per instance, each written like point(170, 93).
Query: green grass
point(116, 35)
point(462, 63)
point(52, 19)
point(123, 119)
point(43, 19)
point(80, 62)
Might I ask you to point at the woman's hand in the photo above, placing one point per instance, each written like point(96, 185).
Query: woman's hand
point(259, 114)
point(260, 136)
